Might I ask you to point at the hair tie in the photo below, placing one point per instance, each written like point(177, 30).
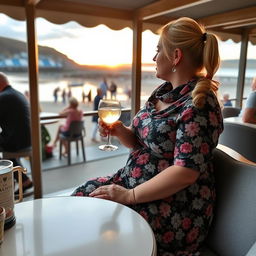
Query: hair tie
point(204, 37)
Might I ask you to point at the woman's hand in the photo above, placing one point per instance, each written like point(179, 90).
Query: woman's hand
point(115, 193)
point(105, 129)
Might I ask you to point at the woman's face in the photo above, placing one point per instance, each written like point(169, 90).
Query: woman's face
point(163, 64)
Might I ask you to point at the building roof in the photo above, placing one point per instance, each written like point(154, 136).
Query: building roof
point(229, 18)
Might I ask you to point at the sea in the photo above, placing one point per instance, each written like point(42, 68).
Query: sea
point(51, 80)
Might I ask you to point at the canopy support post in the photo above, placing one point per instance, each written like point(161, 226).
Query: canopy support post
point(136, 66)
point(34, 100)
point(242, 69)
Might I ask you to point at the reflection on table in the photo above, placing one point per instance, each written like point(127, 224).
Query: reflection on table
point(77, 226)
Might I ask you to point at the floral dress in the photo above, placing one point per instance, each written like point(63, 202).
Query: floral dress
point(180, 135)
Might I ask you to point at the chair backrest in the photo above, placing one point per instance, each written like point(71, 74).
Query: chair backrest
point(230, 112)
point(241, 138)
point(233, 230)
point(76, 129)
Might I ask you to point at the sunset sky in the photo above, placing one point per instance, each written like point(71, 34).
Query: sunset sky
point(99, 45)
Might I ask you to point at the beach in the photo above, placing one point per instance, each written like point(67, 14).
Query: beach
point(48, 82)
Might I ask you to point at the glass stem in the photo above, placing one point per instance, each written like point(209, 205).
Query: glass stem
point(109, 139)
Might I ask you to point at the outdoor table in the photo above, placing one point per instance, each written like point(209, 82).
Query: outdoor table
point(238, 119)
point(78, 226)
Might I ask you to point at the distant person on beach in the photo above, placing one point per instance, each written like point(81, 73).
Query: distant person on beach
point(55, 94)
point(226, 101)
point(69, 93)
point(96, 101)
point(63, 95)
point(249, 111)
point(104, 87)
point(169, 174)
point(15, 124)
point(72, 113)
point(83, 96)
point(112, 89)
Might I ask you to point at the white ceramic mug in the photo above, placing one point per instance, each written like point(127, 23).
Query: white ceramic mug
point(2, 221)
point(7, 189)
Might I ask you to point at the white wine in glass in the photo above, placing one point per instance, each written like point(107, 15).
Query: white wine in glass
point(109, 111)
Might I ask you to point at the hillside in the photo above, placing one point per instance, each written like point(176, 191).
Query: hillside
point(14, 56)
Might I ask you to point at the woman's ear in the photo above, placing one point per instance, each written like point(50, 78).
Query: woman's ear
point(177, 54)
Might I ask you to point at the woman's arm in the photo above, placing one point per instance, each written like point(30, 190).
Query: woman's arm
point(125, 134)
point(166, 183)
point(249, 115)
point(65, 111)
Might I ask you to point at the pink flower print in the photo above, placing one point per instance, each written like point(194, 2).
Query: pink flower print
point(117, 179)
point(136, 122)
point(204, 148)
point(208, 211)
point(168, 155)
point(144, 215)
point(79, 194)
point(145, 132)
point(213, 119)
point(165, 209)
point(187, 114)
point(184, 90)
point(205, 192)
point(143, 159)
point(192, 129)
point(192, 235)
point(186, 147)
point(156, 222)
point(186, 223)
point(163, 164)
point(179, 162)
point(176, 151)
point(168, 237)
point(102, 179)
point(144, 116)
point(136, 172)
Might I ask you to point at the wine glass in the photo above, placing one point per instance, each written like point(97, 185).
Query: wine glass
point(109, 111)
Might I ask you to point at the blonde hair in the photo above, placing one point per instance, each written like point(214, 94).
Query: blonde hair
point(73, 102)
point(202, 49)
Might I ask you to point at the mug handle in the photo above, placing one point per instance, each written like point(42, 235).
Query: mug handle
point(20, 170)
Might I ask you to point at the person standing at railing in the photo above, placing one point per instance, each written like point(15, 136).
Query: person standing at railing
point(249, 111)
point(169, 176)
point(15, 124)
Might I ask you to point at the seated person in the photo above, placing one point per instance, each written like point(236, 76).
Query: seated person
point(15, 124)
point(226, 101)
point(169, 176)
point(73, 114)
point(249, 112)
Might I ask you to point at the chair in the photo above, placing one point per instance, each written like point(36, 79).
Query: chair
point(77, 133)
point(230, 112)
point(25, 152)
point(233, 230)
point(241, 138)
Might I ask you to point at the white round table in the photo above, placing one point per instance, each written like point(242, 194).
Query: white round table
point(77, 226)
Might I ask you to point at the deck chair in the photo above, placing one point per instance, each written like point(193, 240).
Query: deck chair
point(77, 133)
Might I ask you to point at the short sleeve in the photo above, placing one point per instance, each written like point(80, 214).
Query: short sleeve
point(197, 135)
point(251, 101)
